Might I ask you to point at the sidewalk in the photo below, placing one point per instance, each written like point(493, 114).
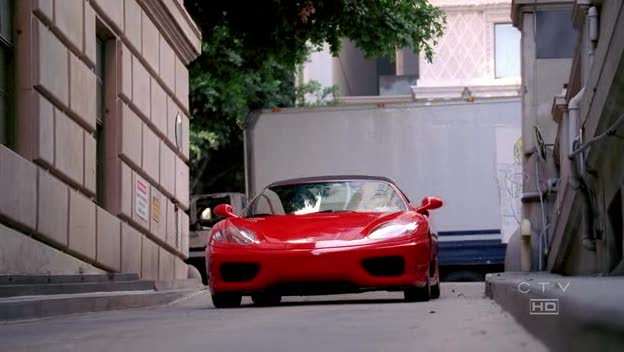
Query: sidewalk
point(26, 297)
point(566, 313)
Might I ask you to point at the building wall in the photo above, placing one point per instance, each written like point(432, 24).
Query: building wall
point(583, 234)
point(542, 80)
point(140, 224)
point(598, 71)
point(465, 55)
point(354, 74)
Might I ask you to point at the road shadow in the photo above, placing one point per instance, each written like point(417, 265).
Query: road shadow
point(321, 302)
point(330, 302)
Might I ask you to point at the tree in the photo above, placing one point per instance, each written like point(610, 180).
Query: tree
point(250, 51)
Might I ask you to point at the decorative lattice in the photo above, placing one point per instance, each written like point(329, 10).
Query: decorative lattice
point(461, 52)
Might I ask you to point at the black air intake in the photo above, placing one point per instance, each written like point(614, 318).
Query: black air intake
point(239, 272)
point(384, 266)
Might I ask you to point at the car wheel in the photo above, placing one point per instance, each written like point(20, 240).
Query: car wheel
point(435, 290)
point(226, 300)
point(266, 299)
point(418, 294)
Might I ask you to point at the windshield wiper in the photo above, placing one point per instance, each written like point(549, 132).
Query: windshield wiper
point(260, 215)
point(334, 211)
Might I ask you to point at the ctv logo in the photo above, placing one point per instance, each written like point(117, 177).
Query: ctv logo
point(544, 306)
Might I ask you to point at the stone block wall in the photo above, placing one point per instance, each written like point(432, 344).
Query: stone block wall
point(50, 179)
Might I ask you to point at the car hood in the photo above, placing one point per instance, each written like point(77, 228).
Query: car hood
point(317, 227)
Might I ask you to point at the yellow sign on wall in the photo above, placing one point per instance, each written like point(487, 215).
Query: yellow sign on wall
point(156, 208)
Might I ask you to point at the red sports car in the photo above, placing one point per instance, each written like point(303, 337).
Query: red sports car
point(323, 235)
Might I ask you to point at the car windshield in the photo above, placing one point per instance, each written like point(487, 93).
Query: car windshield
point(340, 196)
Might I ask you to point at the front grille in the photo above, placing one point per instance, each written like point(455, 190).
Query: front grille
point(384, 266)
point(239, 272)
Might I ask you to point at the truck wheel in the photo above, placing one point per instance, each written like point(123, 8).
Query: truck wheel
point(266, 299)
point(226, 300)
point(418, 294)
point(464, 276)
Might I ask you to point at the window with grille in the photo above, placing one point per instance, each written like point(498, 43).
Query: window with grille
point(100, 69)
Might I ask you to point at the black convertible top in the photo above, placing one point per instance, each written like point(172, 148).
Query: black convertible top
point(294, 181)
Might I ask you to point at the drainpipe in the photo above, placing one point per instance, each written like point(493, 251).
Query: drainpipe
point(573, 118)
point(580, 179)
point(592, 17)
point(593, 33)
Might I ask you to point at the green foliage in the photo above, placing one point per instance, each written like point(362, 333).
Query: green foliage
point(249, 54)
point(320, 95)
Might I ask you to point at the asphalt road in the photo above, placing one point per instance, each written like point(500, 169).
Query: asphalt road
point(461, 320)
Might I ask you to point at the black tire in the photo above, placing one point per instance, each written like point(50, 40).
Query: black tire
point(266, 299)
point(418, 294)
point(226, 300)
point(435, 291)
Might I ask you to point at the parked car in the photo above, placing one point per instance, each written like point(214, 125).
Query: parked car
point(323, 235)
point(202, 220)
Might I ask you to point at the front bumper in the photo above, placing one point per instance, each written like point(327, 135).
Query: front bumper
point(272, 269)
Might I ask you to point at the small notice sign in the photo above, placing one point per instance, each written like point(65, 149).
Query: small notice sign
point(155, 208)
point(141, 200)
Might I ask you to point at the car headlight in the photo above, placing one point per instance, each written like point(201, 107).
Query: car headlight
point(234, 235)
point(392, 230)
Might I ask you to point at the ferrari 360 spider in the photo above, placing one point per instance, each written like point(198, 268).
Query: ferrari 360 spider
point(323, 235)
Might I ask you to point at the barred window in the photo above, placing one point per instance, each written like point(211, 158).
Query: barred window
point(100, 71)
point(6, 71)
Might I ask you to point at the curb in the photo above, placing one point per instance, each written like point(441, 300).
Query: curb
point(589, 311)
point(37, 307)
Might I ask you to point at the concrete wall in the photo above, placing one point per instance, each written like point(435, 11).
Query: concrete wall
point(49, 183)
point(542, 80)
point(600, 71)
point(584, 234)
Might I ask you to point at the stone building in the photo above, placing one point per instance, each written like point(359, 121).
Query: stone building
point(94, 133)
point(480, 50)
point(572, 73)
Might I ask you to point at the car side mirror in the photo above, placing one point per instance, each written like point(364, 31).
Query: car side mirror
point(224, 211)
point(429, 203)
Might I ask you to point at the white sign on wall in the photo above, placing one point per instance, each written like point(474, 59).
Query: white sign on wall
point(141, 200)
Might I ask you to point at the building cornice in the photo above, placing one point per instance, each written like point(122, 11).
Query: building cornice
point(382, 99)
point(519, 7)
point(475, 7)
point(176, 25)
point(477, 91)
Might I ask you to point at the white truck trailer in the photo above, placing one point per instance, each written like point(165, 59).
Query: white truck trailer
point(464, 152)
